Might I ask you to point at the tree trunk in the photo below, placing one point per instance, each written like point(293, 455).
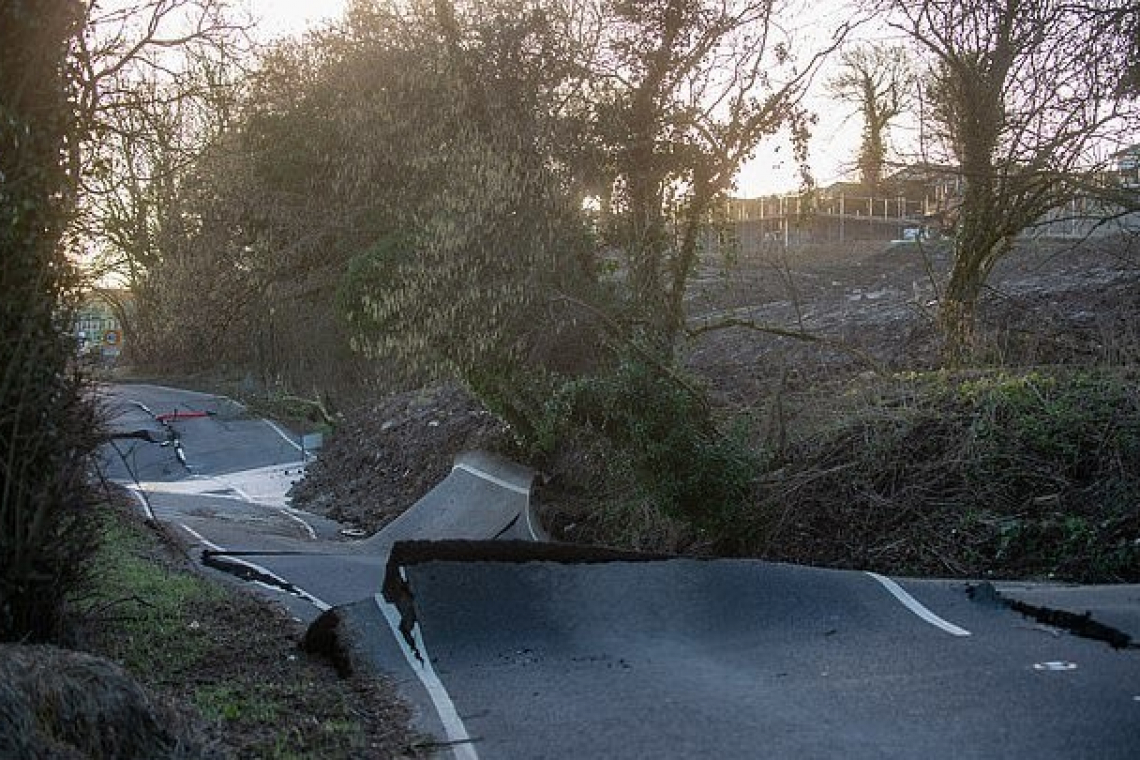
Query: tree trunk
point(978, 248)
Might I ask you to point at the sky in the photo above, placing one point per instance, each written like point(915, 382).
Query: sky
point(835, 137)
point(287, 17)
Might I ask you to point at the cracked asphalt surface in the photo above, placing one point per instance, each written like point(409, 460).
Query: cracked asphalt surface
point(520, 650)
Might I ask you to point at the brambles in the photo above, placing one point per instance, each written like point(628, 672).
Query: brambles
point(661, 428)
point(1013, 474)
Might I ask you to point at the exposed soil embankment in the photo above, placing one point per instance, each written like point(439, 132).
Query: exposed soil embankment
point(387, 454)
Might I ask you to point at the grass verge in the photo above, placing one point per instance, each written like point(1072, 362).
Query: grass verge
point(229, 657)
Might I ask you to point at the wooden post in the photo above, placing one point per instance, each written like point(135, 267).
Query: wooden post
point(842, 211)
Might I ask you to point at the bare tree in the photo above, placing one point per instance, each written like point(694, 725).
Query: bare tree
point(157, 83)
point(688, 90)
point(880, 82)
point(1028, 99)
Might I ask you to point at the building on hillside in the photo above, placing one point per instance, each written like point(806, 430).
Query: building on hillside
point(912, 203)
point(1112, 212)
point(1126, 165)
point(916, 202)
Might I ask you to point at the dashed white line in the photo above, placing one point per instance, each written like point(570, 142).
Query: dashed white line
point(453, 726)
point(912, 604)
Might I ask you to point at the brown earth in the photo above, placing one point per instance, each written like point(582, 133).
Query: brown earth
point(873, 305)
point(386, 455)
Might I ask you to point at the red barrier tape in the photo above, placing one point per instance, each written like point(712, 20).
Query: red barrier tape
point(172, 416)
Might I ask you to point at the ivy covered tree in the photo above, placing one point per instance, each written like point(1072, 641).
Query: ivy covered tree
point(687, 91)
point(47, 430)
point(879, 80)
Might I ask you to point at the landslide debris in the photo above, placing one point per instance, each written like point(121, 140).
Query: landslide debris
point(386, 454)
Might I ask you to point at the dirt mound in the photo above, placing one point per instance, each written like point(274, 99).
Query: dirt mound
point(56, 703)
point(386, 455)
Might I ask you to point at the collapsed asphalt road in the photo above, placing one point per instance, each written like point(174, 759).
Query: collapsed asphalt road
point(219, 478)
point(526, 650)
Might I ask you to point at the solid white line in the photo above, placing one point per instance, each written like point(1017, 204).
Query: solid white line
point(290, 513)
point(491, 478)
point(283, 510)
point(283, 434)
point(142, 406)
point(200, 538)
point(148, 511)
point(452, 724)
point(912, 604)
point(529, 527)
point(317, 602)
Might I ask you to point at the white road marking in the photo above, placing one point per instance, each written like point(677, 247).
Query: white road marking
point(453, 726)
point(200, 538)
point(529, 526)
point(491, 478)
point(139, 494)
point(288, 438)
point(916, 607)
point(293, 514)
point(317, 602)
point(142, 406)
point(502, 484)
point(288, 512)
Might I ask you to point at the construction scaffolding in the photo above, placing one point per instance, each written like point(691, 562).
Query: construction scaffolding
point(800, 219)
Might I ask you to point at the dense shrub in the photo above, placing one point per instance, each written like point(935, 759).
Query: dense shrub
point(660, 428)
point(1010, 474)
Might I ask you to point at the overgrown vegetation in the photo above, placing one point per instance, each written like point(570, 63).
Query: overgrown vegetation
point(47, 424)
point(1005, 473)
point(658, 428)
point(230, 661)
